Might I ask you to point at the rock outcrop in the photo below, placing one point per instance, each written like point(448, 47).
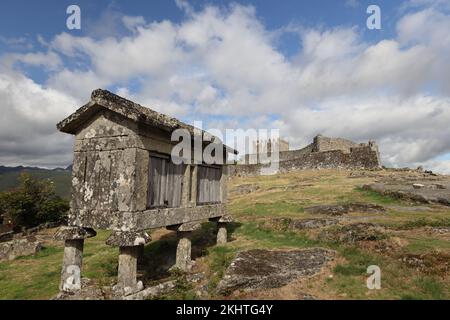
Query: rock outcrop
point(262, 269)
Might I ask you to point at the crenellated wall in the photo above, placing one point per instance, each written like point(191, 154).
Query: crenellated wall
point(324, 152)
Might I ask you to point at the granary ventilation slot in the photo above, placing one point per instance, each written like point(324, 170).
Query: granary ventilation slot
point(208, 184)
point(165, 182)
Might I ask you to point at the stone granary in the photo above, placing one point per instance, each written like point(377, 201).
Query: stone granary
point(124, 180)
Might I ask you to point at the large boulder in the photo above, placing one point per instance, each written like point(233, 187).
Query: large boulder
point(19, 247)
point(262, 269)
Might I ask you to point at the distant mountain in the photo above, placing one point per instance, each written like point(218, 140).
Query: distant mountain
point(4, 169)
point(60, 176)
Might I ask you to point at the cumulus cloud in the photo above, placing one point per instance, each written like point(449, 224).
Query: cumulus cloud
point(27, 124)
point(222, 65)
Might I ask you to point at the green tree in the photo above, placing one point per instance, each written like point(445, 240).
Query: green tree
point(33, 202)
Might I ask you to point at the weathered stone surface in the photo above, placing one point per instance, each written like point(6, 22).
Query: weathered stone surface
point(127, 239)
point(434, 263)
point(127, 270)
point(260, 269)
point(154, 291)
point(244, 189)
point(184, 251)
point(300, 224)
point(439, 230)
point(172, 216)
point(355, 232)
point(88, 291)
point(26, 246)
point(148, 219)
point(427, 191)
point(72, 233)
point(338, 210)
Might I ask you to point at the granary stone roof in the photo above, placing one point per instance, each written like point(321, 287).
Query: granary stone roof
point(104, 99)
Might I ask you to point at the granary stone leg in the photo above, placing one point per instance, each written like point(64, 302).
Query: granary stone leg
point(73, 256)
point(72, 263)
point(130, 244)
point(183, 260)
point(126, 275)
point(222, 235)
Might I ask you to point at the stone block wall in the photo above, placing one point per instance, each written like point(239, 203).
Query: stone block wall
point(322, 143)
point(361, 157)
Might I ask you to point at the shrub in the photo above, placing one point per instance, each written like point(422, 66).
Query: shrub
point(33, 202)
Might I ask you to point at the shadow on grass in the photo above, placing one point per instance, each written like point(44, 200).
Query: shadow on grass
point(159, 256)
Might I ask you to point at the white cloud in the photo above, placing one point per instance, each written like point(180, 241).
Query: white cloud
point(27, 125)
point(49, 60)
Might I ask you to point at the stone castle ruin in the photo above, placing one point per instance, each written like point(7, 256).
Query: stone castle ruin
point(124, 180)
point(265, 147)
point(323, 152)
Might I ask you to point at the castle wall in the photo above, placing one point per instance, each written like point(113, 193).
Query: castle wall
point(361, 157)
point(322, 143)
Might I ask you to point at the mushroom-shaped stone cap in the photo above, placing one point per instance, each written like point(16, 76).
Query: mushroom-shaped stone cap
point(128, 238)
point(188, 226)
point(222, 219)
point(226, 218)
point(74, 233)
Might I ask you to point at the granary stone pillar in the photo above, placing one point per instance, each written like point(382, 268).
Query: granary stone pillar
point(73, 238)
point(130, 245)
point(222, 234)
point(127, 269)
point(183, 260)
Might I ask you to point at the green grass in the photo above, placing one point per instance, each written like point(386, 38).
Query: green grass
point(183, 290)
point(424, 245)
point(219, 258)
point(31, 277)
point(425, 222)
point(37, 277)
point(262, 209)
point(375, 197)
point(272, 239)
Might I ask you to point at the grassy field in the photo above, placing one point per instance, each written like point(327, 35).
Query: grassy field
point(407, 235)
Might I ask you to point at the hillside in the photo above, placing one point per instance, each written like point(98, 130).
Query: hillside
point(329, 209)
point(61, 177)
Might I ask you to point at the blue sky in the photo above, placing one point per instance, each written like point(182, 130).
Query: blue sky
point(26, 19)
point(304, 67)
